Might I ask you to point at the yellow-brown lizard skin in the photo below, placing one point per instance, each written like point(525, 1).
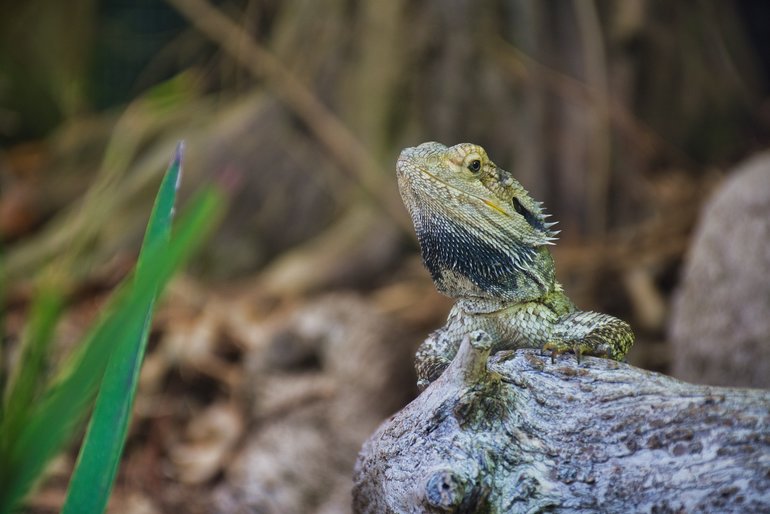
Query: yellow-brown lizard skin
point(485, 242)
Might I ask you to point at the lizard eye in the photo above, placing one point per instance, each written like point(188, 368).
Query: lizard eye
point(474, 165)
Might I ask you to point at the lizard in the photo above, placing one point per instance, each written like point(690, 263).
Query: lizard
point(485, 242)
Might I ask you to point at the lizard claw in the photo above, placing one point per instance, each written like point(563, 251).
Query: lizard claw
point(559, 347)
point(556, 348)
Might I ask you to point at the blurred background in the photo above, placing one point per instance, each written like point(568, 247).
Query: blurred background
point(641, 124)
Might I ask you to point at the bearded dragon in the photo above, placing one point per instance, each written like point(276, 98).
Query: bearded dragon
point(485, 242)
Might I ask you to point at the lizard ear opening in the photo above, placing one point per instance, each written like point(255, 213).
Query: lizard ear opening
point(530, 218)
point(520, 208)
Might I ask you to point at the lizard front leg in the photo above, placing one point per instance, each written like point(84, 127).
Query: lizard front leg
point(519, 325)
point(438, 350)
point(590, 333)
point(524, 322)
point(551, 323)
point(434, 355)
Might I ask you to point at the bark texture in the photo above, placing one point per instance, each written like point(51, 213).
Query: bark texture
point(518, 433)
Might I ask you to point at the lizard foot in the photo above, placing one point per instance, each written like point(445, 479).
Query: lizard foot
point(590, 333)
point(579, 348)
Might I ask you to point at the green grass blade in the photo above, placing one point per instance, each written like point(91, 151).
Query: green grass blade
point(54, 420)
point(3, 375)
point(24, 383)
point(97, 464)
point(162, 216)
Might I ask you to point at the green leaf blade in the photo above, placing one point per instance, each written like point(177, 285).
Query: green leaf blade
point(162, 216)
point(53, 422)
point(99, 457)
point(52, 419)
point(24, 384)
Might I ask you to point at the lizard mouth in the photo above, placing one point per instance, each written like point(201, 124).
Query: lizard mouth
point(405, 162)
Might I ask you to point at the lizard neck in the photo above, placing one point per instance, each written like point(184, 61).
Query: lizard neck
point(481, 305)
point(555, 300)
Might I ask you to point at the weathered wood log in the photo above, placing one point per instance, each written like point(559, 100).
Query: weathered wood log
point(519, 433)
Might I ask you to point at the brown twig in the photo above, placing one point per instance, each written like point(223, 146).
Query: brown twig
point(595, 59)
point(522, 66)
point(341, 143)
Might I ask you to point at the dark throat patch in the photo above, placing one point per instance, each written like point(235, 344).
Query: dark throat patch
point(494, 267)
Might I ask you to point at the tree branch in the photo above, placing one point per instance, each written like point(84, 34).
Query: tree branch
point(528, 435)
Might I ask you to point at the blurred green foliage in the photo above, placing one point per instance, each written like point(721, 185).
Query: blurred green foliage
point(44, 403)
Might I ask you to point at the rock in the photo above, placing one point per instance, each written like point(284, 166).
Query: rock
point(720, 323)
point(322, 380)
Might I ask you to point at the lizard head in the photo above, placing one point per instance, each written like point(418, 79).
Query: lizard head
point(476, 224)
